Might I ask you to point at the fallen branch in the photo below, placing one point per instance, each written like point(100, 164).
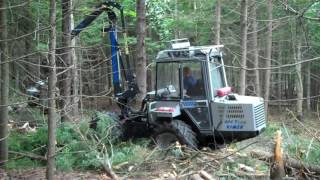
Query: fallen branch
point(29, 155)
point(110, 173)
point(205, 175)
point(288, 161)
point(304, 127)
point(240, 149)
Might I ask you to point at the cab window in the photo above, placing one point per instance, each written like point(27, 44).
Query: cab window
point(216, 73)
point(168, 83)
point(193, 84)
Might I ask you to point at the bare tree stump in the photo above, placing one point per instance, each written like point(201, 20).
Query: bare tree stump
point(277, 169)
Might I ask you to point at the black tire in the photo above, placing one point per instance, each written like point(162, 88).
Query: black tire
point(115, 129)
point(167, 134)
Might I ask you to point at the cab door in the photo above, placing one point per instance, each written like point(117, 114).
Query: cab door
point(217, 80)
point(195, 94)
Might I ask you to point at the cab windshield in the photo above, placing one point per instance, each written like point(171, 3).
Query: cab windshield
point(168, 80)
point(172, 76)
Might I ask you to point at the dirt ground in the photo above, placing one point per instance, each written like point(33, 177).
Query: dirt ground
point(39, 174)
point(229, 162)
point(166, 165)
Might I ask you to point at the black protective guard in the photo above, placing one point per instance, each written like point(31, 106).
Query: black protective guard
point(135, 129)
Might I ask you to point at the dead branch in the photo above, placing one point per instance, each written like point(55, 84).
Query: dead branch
point(205, 175)
point(304, 127)
point(288, 161)
point(29, 155)
point(110, 173)
point(196, 177)
point(240, 149)
point(299, 14)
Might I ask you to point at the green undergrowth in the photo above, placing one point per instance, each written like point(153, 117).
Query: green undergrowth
point(78, 146)
point(30, 115)
point(233, 168)
point(297, 145)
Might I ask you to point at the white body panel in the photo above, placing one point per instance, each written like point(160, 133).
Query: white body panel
point(246, 113)
point(166, 104)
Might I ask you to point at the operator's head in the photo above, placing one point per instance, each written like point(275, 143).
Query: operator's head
point(186, 71)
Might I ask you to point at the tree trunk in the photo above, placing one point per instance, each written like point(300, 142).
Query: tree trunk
point(38, 42)
point(75, 80)
point(66, 57)
point(4, 85)
point(80, 83)
point(279, 78)
point(244, 32)
point(17, 76)
point(218, 21)
point(299, 83)
point(75, 75)
point(268, 56)
point(141, 50)
point(255, 48)
point(308, 84)
point(51, 93)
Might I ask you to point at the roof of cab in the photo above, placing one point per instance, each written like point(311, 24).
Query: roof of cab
point(192, 52)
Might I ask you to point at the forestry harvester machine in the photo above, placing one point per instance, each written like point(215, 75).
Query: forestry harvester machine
point(191, 103)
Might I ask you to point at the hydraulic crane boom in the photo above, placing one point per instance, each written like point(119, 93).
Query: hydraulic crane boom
point(122, 94)
point(105, 6)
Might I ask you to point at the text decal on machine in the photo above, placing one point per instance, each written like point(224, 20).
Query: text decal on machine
point(234, 124)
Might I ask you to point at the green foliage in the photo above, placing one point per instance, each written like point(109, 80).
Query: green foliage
point(23, 163)
point(313, 10)
point(15, 96)
point(258, 165)
point(29, 142)
point(133, 152)
point(160, 18)
point(153, 47)
point(42, 47)
point(107, 130)
point(65, 160)
point(129, 8)
point(271, 129)
point(295, 144)
point(100, 145)
point(302, 148)
point(77, 156)
point(31, 115)
point(79, 147)
point(66, 134)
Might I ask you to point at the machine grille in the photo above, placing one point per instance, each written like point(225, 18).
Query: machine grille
point(259, 115)
point(235, 112)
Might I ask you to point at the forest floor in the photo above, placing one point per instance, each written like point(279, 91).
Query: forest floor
point(231, 161)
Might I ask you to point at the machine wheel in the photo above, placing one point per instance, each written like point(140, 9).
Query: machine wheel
point(176, 130)
point(115, 128)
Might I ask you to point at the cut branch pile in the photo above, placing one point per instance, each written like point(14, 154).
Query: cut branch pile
point(288, 161)
point(281, 161)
